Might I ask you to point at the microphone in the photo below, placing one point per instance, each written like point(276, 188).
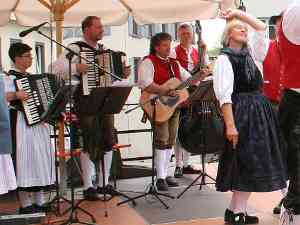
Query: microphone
point(35, 28)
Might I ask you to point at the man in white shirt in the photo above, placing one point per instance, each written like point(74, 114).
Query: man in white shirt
point(188, 57)
point(97, 130)
point(156, 69)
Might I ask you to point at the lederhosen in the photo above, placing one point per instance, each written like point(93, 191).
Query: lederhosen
point(97, 130)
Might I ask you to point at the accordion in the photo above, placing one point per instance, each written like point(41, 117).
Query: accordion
point(41, 89)
point(109, 61)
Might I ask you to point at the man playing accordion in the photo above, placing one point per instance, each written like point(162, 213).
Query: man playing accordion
point(97, 130)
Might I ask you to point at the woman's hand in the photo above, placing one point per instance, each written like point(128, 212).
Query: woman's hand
point(22, 95)
point(230, 14)
point(232, 135)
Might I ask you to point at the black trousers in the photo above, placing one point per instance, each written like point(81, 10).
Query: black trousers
point(289, 118)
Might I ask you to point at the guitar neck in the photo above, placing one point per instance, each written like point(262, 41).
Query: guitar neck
point(188, 82)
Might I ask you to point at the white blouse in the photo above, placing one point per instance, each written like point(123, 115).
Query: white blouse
point(223, 76)
point(291, 22)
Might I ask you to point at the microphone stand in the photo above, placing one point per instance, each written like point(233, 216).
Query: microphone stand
point(74, 207)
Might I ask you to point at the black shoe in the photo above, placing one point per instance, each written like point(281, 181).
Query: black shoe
point(238, 219)
point(190, 170)
point(162, 185)
point(91, 194)
point(108, 189)
point(171, 182)
point(27, 210)
point(277, 209)
point(178, 172)
point(228, 218)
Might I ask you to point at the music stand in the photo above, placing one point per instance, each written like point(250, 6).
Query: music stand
point(108, 100)
point(114, 99)
point(203, 93)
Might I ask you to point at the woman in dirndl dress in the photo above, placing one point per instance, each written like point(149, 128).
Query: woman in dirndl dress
point(254, 161)
point(7, 173)
point(33, 155)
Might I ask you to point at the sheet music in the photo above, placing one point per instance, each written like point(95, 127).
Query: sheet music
point(123, 83)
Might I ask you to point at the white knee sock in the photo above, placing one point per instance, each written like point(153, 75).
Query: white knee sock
point(178, 154)
point(107, 166)
point(241, 200)
point(168, 153)
point(25, 198)
point(232, 203)
point(39, 198)
point(159, 161)
point(88, 170)
point(185, 157)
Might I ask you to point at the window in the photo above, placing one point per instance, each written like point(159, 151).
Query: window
point(164, 28)
point(68, 33)
point(147, 31)
point(272, 30)
point(134, 62)
point(173, 31)
point(107, 31)
point(150, 30)
point(176, 25)
point(40, 57)
point(157, 28)
point(133, 28)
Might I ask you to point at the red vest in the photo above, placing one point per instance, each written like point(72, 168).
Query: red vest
point(182, 56)
point(291, 61)
point(273, 70)
point(162, 72)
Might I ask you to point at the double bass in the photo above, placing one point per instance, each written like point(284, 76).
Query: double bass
point(201, 128)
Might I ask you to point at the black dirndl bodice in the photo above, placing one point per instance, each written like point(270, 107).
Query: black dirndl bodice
point(259, 160)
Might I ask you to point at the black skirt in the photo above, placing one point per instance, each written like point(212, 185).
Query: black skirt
point(259, 161)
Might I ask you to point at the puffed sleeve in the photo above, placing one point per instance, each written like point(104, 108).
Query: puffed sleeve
point(184, 74)
point(291, 22)
point(61, 65)
point(9, 85)
point(223, 79)
point(145, 74)
point(259, 45)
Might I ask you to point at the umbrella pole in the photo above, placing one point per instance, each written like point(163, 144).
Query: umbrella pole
point(61, 127)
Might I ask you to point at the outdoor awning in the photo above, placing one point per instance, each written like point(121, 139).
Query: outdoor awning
point(112, 12)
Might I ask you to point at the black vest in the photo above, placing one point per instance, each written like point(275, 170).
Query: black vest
point(247, 77)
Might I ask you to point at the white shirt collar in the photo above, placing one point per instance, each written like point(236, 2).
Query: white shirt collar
point(165, 59)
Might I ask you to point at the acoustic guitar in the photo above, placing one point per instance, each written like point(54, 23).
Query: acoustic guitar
point(166, 105)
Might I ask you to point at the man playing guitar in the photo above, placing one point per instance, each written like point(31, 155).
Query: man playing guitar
point(154, 71)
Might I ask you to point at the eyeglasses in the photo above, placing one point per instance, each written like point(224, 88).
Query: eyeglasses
point(26, 56)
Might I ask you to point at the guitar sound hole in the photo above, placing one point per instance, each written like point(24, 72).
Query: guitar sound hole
point(169, 101)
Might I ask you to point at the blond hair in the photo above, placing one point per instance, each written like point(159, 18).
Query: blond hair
point(228, 28)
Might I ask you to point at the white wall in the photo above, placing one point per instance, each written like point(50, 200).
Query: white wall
point(12, 31)
point(266, 8)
